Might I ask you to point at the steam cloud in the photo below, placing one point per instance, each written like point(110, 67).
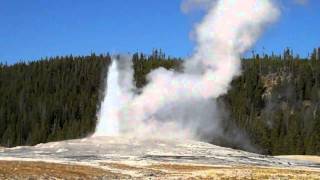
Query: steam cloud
point(181, 105)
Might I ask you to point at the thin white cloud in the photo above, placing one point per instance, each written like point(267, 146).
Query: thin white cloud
point(190, 5)
point(301, 2)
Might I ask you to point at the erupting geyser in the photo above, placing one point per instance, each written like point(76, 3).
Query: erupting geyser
point(117, 94)
point(108, 118)
point(183, 104)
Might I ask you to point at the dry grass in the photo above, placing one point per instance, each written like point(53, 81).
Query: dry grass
point(41, 170)
point(239, 172)
point(315, 159)
point(259, 173)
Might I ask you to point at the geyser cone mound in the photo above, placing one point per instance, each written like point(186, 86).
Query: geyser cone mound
point(95, 150)
point(132, 158)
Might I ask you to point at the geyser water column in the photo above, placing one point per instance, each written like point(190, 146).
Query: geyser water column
point(108, 117)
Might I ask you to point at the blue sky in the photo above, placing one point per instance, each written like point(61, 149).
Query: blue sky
point(30, 29)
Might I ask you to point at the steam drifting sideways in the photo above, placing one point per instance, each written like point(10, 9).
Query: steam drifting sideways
point(181, 105)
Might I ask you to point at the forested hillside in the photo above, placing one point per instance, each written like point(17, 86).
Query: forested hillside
point(275, 101)
point(49, 100)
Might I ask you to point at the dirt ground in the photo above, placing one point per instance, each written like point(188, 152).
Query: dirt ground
point(42, 170)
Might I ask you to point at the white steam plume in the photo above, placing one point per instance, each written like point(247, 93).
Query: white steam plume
point(181, 104)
